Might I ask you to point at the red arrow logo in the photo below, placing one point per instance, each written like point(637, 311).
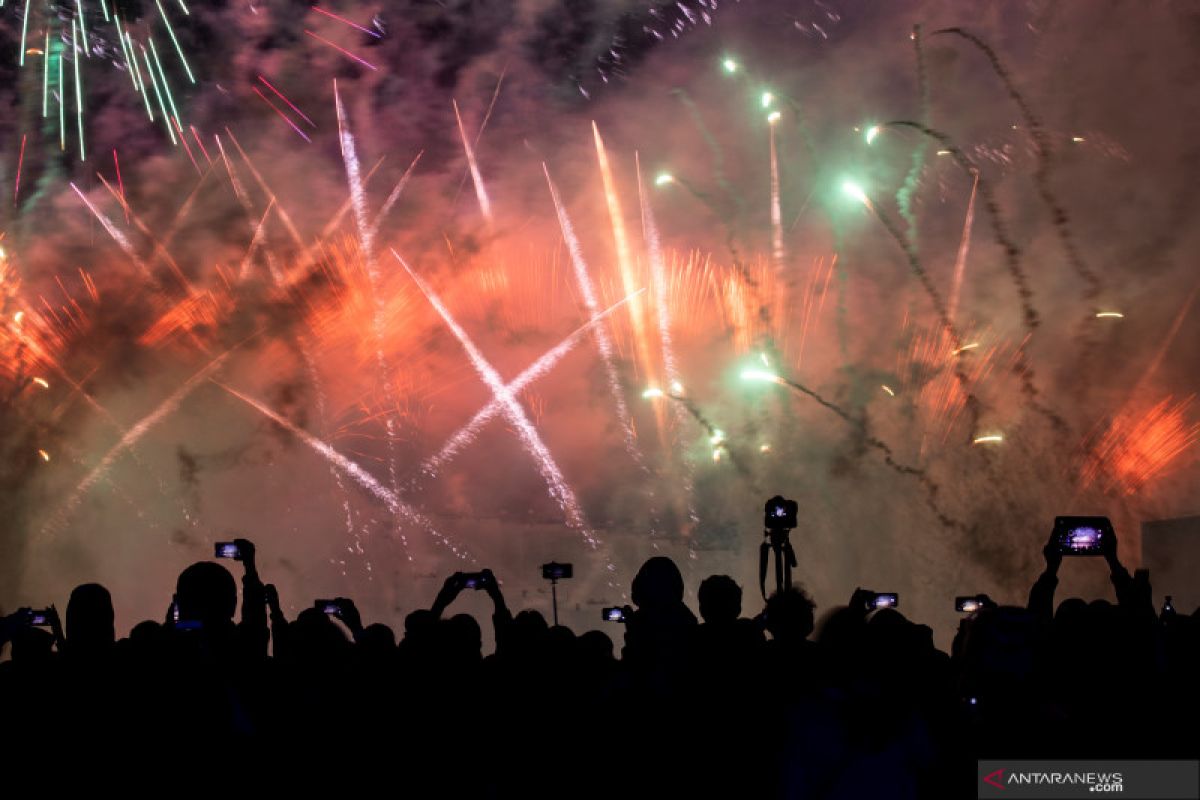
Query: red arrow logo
point(995, 779)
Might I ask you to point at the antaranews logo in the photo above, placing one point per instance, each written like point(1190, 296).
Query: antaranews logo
point(1131, 779)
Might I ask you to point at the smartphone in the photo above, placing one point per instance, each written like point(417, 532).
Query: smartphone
point(883, 600)
point(1082, 536)
point(969, 605)
point(612, 614)
point(557, 572)
point(227, 550)
point(1168, 606)
point(40, 617)
point(332, 607)
point(474, 580)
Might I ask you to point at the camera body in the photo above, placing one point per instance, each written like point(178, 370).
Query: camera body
point(780, 514)
point(1081, 536)
point(555, 571)
point(612, 614)
point(227, 550)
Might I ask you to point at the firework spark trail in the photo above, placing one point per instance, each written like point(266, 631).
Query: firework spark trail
point(283, 97)
point(466, 434)
point(776, 210)
point(1152, 367)
point(20, 163)
point(132, 436)
point(366, 236)
point(1012, 260)
point(356, 473)
point(1137, 446)
point(600, 332)
point(283, 116)
point(1041, 177)
point(386, 208)
point(336, 220)
point(256, 241)
point(284, 216)
point(159, 248)
point(717, 439)
point(860, 427)
point(964, 248)
point(345, 21)
point(116, 234)
point(906, 193)
point(658, 273)
point(343, 51)
point(560, 490)
point(624, 256)
point(248, 207)
point(485, 203)
point(479, 134)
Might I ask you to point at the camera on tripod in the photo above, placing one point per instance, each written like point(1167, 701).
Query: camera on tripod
point(779, 520)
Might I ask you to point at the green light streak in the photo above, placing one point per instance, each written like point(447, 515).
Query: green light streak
point(158, 94)
point(178, 49)
point(137, 70)
point(166, 86)
point(104, 8)
point(24, 29)
point(125, 52)
point(78, 94)
point(62, 123)
point(46, 77)
point(83, 28)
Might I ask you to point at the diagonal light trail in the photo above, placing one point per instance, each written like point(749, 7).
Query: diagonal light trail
point(359, 475)
point(466, 434)
point(557, 484)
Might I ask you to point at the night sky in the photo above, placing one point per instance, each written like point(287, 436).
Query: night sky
point(241, 267)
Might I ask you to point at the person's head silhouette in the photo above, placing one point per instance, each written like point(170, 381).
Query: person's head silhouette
point(720, 599)
point(90, 626)
point(790, 615)
point(658, 584)
point(206, 593)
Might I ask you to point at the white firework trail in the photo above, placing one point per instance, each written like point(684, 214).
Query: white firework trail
point(485, 204)
point(964, 247)
point(131, 438)
point(117, 236)
point(366, 235)
point(599, 332)
point(248, 207)
point(467, 433)
point(394, 196)
point(356, 473)
point(560, 491)
point(776, 209)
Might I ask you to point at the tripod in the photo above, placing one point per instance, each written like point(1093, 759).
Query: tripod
point(778, 540)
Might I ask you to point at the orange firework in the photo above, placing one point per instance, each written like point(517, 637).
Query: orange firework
point(1137, 447)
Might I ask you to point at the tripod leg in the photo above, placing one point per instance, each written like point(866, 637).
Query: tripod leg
point(779, 565)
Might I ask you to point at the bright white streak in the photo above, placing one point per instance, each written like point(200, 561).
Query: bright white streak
point(394, 196)
point(350, 468)
point(485, 204)
point(557, 484)
point(366, 236)
point(964, 247)
point(117, 236)
point(131, 437)
point(658, 273)
point(244, 198)
point(776, 207)
point(600, 332)
point(466, 434)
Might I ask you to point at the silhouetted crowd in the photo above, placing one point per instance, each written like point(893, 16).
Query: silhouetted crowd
point(721, 706)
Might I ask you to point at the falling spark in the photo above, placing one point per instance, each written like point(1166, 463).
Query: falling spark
point(854, 190)
point(964, 348)
point(754, 374)
point(171, 32)
point(467, 433)
point(767, 99)
point(20, 162)
point(764, 448)
point(78, 92)
point(282, 97)
point(45, 456)
point(729, 65)
point(343, 51)
point(653, 393)
point(663, 178)
point(774, 117)
point(367, 31)
point(872, 132)
point(485, 203)
point(1110, 315)
point(1077, 139)
point(42, 382)
point(354, 471)
point(559, 489)
point(991, 438)
point(943, 152)
point(282, 116)
point(888, 389)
